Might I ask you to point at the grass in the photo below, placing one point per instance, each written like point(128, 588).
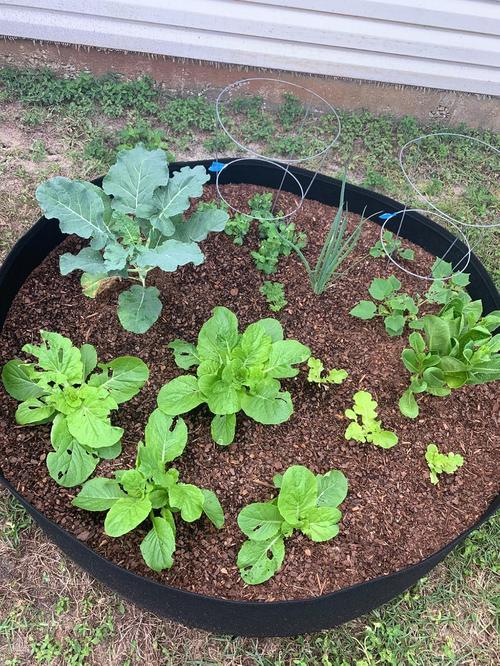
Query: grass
point(51, 612)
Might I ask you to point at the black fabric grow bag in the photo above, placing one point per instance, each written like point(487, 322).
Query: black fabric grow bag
point(251, 618)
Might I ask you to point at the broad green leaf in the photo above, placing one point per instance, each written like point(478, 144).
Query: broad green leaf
point(254, 345)
point(218, 335)
point(158, 546)
point(134, 178)
point(284, 354)
point(93, 283)
point(260, 560)
point(125, 515)
point(365, 406)
point(180, 395)
point(167, 444)
point(364, 310)
point(272, 327)
point(115, 258)
point(71, 464)
point(87, 260)
point(417, 343)
point(138, 308)
point(188, 499)
point(410, 360)
point(454, 370)
point(200, 224)
point(298, 494)
point(174, 198)
point(332, 488)
point(170, 255)
point(128, 376)
point(185, 354)
point(267, 404)
point(260, 521)
point(33, 411)
point(437, 334)
point(355, 431)
point(89, 424)
point(212, 508)
point(408, 405)
point(18, 380)
point(321, 523)
point(223, 428)
point(383, 438)
point(80, 207)
point(88, 355)
point(110, 452)
point(394, 324)
point(98, 494)
point(222, 398)
point(380, 288)
point(59, 357)
point(132, 482)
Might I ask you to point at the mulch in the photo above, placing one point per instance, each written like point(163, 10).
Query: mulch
point(392, 517)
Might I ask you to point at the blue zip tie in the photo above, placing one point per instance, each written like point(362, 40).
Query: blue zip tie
point(215, 167)
point(386, 216)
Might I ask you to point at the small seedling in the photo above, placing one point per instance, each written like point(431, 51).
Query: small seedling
point(306, 502)
point(235, 371)
point(63, 388)
point(315, 374)
point(365, 426)
point(393, 246)
point(441, 463)
point(149, 490)
point(274, 293)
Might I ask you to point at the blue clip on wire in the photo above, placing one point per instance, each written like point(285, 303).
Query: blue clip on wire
point(386, 216)
point(215, 167)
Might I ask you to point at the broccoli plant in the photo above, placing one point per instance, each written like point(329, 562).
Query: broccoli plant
point(234, 371)
point(150, 491)
point(315, 374)
point(64, 388)
point(457, 348)
point(306, 502)
point(393, 246)
point(440, 463)
point(365, 427)
point(135, 223)
point(396, 309)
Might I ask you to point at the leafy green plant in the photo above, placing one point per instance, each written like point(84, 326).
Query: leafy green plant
point(365, 426)
point(238, 227)
point(235, 371)
point(397, 309)
point(291, 110)
point(135, 225)
point(457, 348)
point(64, 388)
point(393, 246)
point(149, 490)
point(306, 502)
point(440, 463)
point(274, 293)
point(141, 131)
point(316, 376)
point(447, 284)
point(338, 246)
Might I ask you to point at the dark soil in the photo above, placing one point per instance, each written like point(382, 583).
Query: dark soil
point(392, 516)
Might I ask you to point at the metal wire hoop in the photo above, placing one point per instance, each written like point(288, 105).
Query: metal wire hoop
point(422, 196)
point(286, 173)
point(274, 158)
point(429, 278)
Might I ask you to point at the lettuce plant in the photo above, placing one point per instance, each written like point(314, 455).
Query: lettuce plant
point(315, 374)
point(150, 491)
point(135, 223)
point(234, 371)
point(457, 348)
point(64, 388)
point(365, 426)
point(306, 502)
point(440, 463)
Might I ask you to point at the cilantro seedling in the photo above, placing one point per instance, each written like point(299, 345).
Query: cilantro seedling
point(150, 491)
point(315, 374)
point(393, 246)
point(64, 388)
point(306, 502)
point(135, 223)
point(365, 426)
point(441, 463)
point(274, 293)
point(234, 371)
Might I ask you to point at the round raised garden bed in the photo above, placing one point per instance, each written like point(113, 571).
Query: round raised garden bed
point(187, 595)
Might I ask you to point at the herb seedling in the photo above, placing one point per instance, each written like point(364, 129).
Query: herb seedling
point(63, 388)
point(365, 426)
point(274, 293)
point(238, 226)
point(306, 502)
point(397, 309)
point(149, 490)
point(440, 463)
point(316, 376)
point(136, 223)
point(235, 371)
point(457, 348)
point(393, 246)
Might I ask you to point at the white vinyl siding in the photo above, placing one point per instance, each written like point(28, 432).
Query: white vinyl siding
point(451, 44)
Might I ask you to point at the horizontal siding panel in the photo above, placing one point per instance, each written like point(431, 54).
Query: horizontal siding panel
point(197, 31)
point(306, 27)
